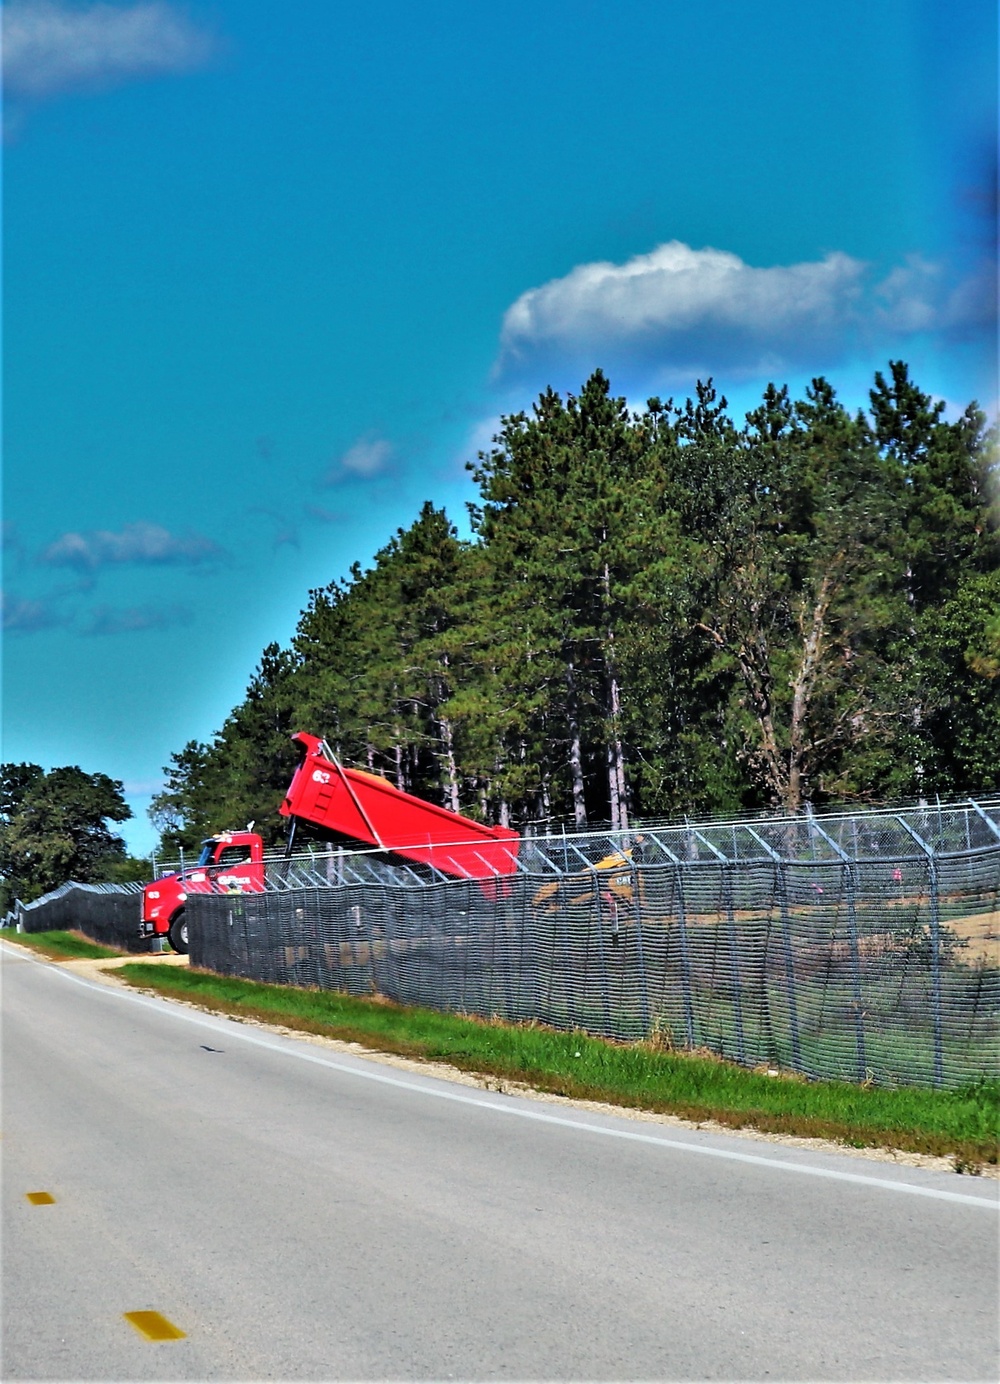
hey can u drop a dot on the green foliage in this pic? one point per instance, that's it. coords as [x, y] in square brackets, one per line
[130, 870]
[54, 827]
[660, 612]
[959, 667]
[64, 946]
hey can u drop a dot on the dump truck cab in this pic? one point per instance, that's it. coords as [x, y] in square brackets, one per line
[230, 863]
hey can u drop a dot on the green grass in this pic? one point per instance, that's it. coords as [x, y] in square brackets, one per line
[960, 1124]
[63, 946]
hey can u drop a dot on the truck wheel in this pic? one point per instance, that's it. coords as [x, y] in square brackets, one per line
[178, 934]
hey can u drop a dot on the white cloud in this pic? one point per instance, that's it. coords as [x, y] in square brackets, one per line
[51, 47]
[701, 310]
[366, 458]
[141, 543]
[24, 615]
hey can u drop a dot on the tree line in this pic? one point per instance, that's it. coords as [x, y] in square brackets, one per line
[658, 611]
[54, 828]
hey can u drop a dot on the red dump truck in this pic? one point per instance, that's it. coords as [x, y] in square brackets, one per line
[341, 803]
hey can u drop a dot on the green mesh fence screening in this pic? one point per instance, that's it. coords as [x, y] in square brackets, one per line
[863, 948]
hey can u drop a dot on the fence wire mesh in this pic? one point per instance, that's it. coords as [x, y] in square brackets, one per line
[107, 913]
[862, 948]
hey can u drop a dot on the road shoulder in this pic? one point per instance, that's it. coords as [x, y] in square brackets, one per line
[103, 971]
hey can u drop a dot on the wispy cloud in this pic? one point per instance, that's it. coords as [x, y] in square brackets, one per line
[286, 531]
[142, 788]
[13, 548]
[50, 47]
[325, 516]
[364, 459]
[140, 544]
[25, 615]
[132, 619]
[699, 311]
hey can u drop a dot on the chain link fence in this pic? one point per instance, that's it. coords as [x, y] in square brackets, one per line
[859, 946]
[863, 947]
[106, 913]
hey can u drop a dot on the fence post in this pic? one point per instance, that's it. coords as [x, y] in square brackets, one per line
[859, 1013]
[849, 869]
[935, 930]
[640, 959]
[786, 937]
[605, 996]
[735, 979]
[502, 923]
[734, 963]
[786, 933]
[936, 970]
[682, 937]
[567, 984]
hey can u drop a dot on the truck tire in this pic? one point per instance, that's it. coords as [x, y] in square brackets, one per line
[178, 934]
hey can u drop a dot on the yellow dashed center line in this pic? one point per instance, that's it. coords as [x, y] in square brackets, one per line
[154, 1326]
[40, 1198]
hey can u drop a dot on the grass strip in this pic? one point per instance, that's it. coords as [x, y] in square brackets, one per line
[961, 1124]
[63, 946]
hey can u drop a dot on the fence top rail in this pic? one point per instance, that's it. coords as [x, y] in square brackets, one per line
[876, 835]
[70, 885]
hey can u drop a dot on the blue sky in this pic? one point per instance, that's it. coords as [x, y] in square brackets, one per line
[273, 271]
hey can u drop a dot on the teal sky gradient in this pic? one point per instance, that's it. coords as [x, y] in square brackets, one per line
[258, 301]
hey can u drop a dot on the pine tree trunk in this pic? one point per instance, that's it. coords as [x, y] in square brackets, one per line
[803, 685]
[615, 751]
[451, 788]
[575, 749]
[616, 764]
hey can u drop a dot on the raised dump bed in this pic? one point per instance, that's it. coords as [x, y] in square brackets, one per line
[371, 810]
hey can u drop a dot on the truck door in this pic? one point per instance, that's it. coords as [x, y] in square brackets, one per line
[235, 871]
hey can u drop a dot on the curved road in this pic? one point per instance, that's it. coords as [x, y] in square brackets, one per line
[305, 1214]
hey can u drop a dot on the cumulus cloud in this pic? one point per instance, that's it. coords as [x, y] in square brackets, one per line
[24, 615]
[702, 310]
[365, 458]
[50, 47]
[140, 544]
[131, 619]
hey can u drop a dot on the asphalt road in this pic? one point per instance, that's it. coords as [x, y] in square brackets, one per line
[303, 1214]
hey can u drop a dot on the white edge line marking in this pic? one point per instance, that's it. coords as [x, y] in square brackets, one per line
[287, 1047]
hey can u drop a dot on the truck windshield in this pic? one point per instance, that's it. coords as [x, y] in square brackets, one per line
[207, 852]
